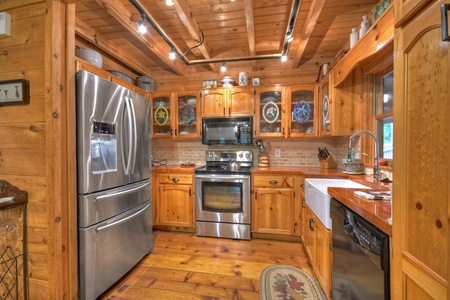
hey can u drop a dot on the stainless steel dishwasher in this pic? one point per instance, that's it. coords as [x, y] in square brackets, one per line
[360, 256]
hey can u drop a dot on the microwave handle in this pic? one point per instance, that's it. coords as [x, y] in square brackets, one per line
[237, 132]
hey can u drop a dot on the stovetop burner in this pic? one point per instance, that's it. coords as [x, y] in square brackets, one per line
[217, 162]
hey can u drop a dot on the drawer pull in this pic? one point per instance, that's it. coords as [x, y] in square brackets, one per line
[175, 179]
[273, 181]
[444, 22]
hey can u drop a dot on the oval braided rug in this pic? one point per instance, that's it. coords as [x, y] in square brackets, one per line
[287, 282]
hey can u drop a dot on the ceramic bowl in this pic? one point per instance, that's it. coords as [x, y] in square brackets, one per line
[121, 76]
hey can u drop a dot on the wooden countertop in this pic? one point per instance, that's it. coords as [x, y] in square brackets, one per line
[174, 168]
[376, 212]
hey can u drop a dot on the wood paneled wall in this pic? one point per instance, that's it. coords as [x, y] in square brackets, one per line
[33, 151]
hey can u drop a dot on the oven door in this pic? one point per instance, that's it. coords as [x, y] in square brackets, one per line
[223, 198]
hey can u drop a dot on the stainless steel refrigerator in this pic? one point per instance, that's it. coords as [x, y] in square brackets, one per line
[114, 182]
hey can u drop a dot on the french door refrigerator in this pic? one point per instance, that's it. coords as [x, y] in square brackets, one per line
[114, 184]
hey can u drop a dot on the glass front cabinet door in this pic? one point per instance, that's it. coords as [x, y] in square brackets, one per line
[301, 111]
[188, 121]
[325, 109]
[269, 113]
[161, 115]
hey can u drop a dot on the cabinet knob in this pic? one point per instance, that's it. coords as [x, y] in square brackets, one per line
[302, 185]
[175, 179]
[273, 181]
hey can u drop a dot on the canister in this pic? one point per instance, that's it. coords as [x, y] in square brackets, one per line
[243, 79]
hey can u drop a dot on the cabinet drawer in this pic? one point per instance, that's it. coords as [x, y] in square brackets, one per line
[174, 178]
[273, 181]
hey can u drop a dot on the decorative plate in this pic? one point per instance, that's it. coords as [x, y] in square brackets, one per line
[325, 106]
[270, 112]
[302, 111]
[161, 115]
[187, 114]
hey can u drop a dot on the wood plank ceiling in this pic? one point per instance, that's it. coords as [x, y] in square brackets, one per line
[212, 31]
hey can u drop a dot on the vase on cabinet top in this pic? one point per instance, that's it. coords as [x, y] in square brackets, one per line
[364, 26]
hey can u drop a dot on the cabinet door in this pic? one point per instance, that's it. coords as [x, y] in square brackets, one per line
[161, 115]
[214, 103]
[187, 124]
[405, 9]
[301, 111]
[421, 206]
[310, 237]
[175, 205]
[322, 262]
[325, 109]
[241, 101]
[270, 118]
[273, 211]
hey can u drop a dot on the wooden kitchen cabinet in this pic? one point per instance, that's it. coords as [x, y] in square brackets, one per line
[270, 112]
[175, 115]
[301, 111]
[420, 228]
[318, 248]
[226, 102]
[274, 210]
[174, 203]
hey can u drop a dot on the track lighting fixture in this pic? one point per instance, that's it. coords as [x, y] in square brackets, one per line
[289, 38]
[223, 68]
[172, 54]
[169, 2]
[141, 28]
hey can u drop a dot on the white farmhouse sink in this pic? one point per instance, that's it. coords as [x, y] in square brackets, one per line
[317, 198]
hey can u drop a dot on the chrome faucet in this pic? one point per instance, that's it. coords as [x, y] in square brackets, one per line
[376, 166]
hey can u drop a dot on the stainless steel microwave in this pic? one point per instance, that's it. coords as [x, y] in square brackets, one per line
[227, 131]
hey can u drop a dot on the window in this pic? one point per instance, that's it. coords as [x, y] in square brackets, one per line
[383, 112]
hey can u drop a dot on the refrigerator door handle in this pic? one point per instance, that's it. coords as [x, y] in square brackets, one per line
[130, 135]
[109, 195]
[134, 134]
[121, 220]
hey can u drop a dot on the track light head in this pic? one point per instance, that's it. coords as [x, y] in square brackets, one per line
[169, 2]
[223, 68]
[172, 54]
[141, 28]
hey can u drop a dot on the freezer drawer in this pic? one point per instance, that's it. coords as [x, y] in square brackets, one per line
[111, 248]
[94, 208]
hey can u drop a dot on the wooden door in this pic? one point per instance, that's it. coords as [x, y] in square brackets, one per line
[214, 103]
[241, 101]
[301, 111]
[161, 115]
[175, 205]
[188, 120]
[323, 265]
[270, 111]
[273, 211]
[310, 238]
[421, 206]
[405, 9]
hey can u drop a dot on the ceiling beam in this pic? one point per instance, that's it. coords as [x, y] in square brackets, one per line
[310, 23]
[124, 17]
[184, 12]
[86, 32]
[250, 23]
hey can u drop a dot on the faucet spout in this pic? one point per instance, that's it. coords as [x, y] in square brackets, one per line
[376, 165]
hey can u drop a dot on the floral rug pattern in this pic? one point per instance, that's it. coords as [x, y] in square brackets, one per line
[282, 282]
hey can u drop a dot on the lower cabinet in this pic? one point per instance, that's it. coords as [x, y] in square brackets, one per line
[274, 205]
[317, 242]
[174, 200]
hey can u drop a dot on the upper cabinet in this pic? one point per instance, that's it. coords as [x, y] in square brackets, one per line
[225, 102]
[270, 102]
[175, 115]
[405, 9]
[301, 111]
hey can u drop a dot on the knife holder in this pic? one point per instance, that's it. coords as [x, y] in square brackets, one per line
[328, 163]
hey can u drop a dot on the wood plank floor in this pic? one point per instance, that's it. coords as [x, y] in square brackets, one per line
[183, 266]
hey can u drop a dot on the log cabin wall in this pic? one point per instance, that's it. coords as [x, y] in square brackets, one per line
[33, 151]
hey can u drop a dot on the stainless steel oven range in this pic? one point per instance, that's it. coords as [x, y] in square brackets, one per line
[222, 197]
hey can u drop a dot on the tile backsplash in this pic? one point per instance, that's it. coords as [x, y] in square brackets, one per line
[294, 151]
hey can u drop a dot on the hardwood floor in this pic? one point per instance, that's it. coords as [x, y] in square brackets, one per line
[183, 266]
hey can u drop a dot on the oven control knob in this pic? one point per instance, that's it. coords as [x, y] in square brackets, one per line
[240, 155]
